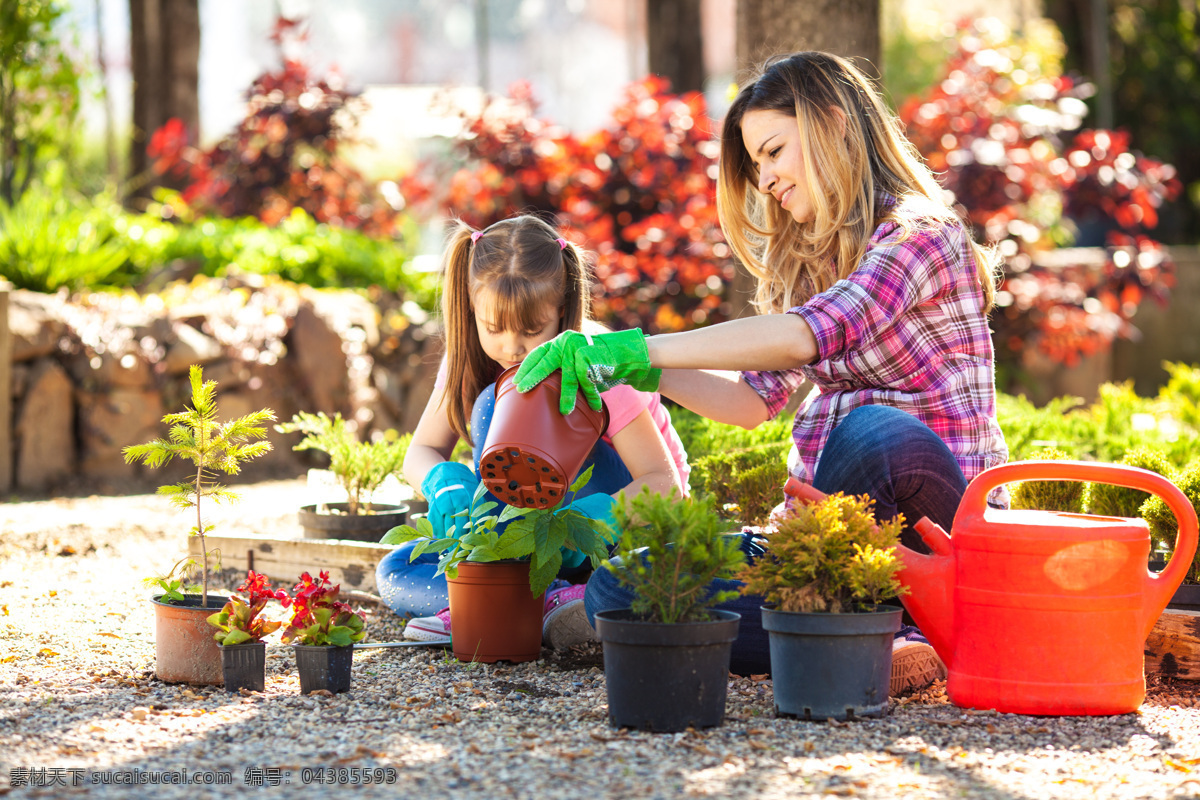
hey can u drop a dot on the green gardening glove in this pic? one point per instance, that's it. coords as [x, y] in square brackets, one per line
[590, 364]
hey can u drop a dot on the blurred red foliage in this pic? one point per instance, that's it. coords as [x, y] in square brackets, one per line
[993, 131]
[639, 193]
[283, 155]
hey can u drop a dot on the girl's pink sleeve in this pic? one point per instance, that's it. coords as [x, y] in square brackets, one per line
[624, 404]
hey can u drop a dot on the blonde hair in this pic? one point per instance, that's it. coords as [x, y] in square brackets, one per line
[522, 264]
[853, 148]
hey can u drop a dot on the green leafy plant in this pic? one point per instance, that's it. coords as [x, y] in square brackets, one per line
[196, 435]
[360, 467]
[745, 482]
[829, 556]
[48, 240]
[538, 534]
[1065, 496]
[319, 617]
[1163, 525]
[669, 553]
[240, 621]
[172, 587]
[1123, 501]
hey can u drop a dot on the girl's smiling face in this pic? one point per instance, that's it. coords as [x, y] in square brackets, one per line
[509, 347]
[772, 138]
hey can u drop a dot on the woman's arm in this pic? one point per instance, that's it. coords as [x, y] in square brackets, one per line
[640, 445]
[432, 443]
[768, 342]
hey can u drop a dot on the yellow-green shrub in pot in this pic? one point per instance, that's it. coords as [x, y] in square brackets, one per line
[826, 569]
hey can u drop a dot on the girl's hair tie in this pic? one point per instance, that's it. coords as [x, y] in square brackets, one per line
[562, 243]
[475, 236]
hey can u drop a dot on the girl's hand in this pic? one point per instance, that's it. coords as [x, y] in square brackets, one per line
[448, 487]
[591, 364]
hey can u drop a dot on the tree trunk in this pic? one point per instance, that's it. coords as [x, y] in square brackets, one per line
[676, 43]
[165, 57]
[775, 27]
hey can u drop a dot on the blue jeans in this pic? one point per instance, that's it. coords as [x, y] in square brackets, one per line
[413, 589]
[879, 451]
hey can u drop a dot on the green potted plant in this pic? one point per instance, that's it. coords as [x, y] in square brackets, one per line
[666, 657]
[322, 630]
[826, 570]
[498, 567]
[359, 468]
[241, 629]
[184, 649]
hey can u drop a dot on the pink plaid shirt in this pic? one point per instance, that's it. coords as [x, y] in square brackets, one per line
[905, 329]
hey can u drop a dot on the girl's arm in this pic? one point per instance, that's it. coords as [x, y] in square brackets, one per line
[720, 396]
[432, 443]
[640, 445]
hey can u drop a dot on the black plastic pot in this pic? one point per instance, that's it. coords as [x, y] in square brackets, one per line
[666, 677]
[354, 527]
[324, 667]
[1186, 598]
[244, 666]
[831, 666]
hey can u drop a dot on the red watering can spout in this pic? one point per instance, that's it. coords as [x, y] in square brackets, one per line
[929, 578]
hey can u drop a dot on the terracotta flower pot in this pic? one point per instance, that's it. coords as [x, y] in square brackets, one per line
[532, 452]
[184, 648]
[493, 615]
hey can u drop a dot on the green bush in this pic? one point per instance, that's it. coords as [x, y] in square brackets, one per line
[1163, 525]
[750, 480]
[1123, 501]
[668, 554]
[828, 556]
[1066, 496]
[49, 240]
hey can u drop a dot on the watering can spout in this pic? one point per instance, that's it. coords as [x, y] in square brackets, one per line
[930, 583]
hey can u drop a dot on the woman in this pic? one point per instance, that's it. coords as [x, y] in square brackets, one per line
[868, 285]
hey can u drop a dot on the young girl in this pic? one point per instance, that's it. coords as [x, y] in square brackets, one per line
[871, 289]
[506, 290]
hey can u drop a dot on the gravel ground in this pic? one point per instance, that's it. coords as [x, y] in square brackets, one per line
[80, 707]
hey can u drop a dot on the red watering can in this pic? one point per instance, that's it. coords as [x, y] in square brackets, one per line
[1040, 612]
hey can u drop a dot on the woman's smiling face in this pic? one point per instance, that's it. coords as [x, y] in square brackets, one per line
[772, 139]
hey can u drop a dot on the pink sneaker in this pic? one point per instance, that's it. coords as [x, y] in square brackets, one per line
[564, 622]
[429, 629]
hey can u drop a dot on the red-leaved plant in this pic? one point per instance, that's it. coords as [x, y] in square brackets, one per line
[995, 130]
[239, 621]
[318, 617]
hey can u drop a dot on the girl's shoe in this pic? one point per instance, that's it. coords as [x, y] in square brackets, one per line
[564, 621]
[915, 664]
[429, 629]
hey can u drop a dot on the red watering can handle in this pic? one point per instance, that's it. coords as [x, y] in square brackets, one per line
[1162, 585]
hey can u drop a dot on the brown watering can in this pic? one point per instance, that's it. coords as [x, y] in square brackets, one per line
[1041, 612]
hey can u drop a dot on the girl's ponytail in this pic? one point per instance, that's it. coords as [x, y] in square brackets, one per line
[462, 341]
[577, 289]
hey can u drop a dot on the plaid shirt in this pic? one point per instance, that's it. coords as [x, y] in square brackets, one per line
[905, 329]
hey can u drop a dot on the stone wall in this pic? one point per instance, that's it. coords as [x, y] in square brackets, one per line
[89, 375]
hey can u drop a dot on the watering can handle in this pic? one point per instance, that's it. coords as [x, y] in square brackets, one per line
[1161, 586]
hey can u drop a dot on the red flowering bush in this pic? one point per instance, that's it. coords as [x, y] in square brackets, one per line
[993, 129]
[282, 156]
[318, 617]
[640, 193]
[238, 621]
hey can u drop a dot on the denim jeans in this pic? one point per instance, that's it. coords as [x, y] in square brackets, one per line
[879, 451]
[412, 588]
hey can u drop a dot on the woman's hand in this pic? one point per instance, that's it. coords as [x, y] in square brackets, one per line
[591, 364]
